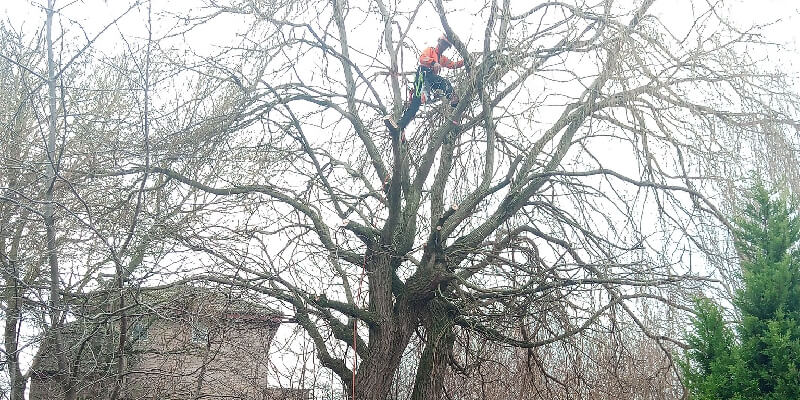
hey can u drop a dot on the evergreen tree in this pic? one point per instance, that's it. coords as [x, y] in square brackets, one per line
[709, 371]
[767, 237]
[765, 362]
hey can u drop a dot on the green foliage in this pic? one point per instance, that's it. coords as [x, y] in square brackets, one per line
[709, 369]
[765, 361]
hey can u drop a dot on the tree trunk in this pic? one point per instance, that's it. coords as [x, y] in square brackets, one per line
[387, 342]
[13, 314]
[399, 318]
[10, 238]
[49, 214]
[376, 372]
[432, 367]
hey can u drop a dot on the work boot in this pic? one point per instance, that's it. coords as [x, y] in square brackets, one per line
[454, 100]
[394, 130]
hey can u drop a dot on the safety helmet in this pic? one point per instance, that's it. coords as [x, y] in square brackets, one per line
[443, 40]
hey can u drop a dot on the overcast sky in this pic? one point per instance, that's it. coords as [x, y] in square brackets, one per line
[28, 15]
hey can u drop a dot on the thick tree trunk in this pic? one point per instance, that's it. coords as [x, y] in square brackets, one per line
[398, 319]
[432, 367]
[375, 374]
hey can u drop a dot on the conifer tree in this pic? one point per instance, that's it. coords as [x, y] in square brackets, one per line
[765, 361]
[708, 372]
[767, 237]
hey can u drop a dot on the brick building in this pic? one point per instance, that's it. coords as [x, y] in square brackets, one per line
[183, 343]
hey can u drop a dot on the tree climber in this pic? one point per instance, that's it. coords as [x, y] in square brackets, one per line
[427, 79]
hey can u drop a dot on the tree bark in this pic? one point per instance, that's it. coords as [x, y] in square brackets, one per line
[12, 294]
[432, 367]
[400, 314]
[375, 374]
[387, 341]
[13, 313]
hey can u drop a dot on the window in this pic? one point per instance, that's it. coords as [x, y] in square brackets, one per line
[138, 332]
[199, 333]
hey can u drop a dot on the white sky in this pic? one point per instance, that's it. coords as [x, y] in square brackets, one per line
[28, 15]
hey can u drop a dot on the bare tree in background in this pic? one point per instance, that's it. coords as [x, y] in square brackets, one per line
[68, 235]
[612, 361]
[15, 218]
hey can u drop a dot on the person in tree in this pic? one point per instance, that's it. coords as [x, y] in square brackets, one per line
[431, 62]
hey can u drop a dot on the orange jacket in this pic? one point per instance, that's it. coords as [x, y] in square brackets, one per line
[431, 56]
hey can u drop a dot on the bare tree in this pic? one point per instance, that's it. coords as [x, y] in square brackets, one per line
[613, 361]
[70, 111]
[571, 187]
[19, 272]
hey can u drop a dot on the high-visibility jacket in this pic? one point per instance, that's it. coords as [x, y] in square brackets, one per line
[431, 56]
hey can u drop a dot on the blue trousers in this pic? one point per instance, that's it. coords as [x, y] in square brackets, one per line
[425, 77]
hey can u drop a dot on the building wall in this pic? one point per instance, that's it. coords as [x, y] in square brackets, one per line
[180, 358]
[231, 362]
[287, 394]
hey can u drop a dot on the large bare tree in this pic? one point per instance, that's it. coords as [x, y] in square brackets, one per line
[572, 186]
